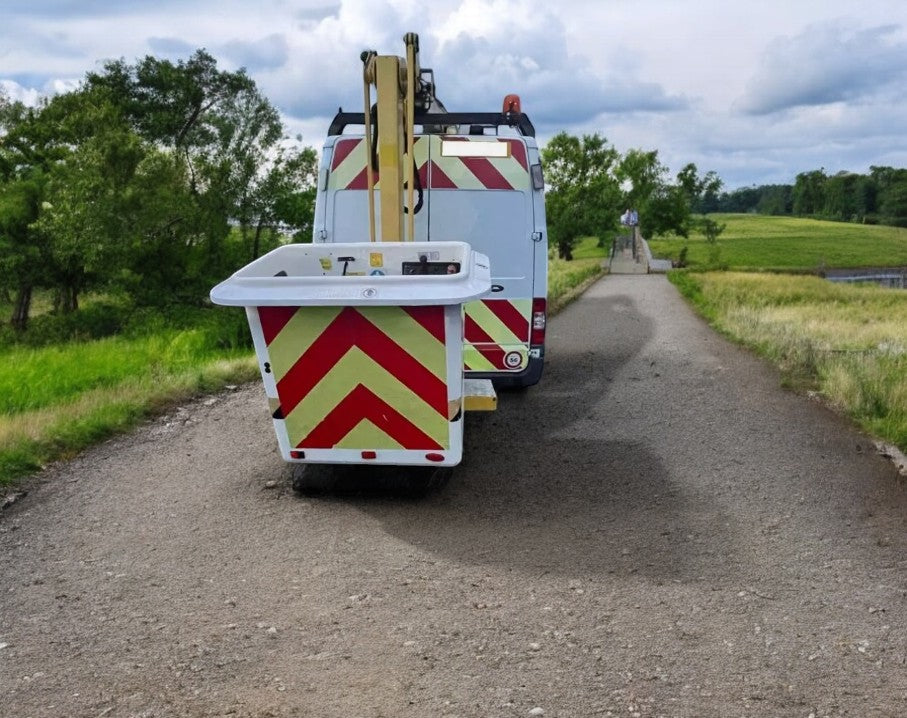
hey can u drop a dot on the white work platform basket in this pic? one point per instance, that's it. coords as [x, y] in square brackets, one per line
[361, 347]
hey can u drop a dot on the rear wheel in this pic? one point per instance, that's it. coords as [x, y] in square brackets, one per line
[313, 479]
[419, 481]
[409, 481]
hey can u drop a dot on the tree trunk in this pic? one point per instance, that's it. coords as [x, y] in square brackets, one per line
[69, 297]
[21, 307]
[66, 299]
[256, 244]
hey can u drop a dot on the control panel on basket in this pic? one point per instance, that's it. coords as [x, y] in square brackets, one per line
[423, 266]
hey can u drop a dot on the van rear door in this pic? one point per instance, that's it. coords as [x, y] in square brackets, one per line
[346, 200]
[481, 194]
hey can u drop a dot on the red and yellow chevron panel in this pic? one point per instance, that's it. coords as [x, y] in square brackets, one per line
[497, 334]
[348, 165]
[458, 172]
[436, 169]
[360, 377]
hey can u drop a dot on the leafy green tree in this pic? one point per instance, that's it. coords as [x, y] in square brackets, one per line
[743, 199]
[891, 188]
[21, 251]
[89, 193]
[809, 192]
[775, 199]
[664, 206]
[712, 230]
[667, 211]
[27, 151]
[846, 197]
[280, 199]
[641, 175]
[701, 191]
[583, 194]
[156, 178]
[225, 133]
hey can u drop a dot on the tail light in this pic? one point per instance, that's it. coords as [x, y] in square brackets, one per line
[539, 320]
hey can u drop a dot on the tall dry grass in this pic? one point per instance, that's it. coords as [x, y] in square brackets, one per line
[848, 342]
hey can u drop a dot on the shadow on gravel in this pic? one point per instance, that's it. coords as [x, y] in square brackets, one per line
[544, 488]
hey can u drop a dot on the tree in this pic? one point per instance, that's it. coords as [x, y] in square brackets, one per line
[27, 151]
[226, 134]
[809, 192]
[775, 199]
[712, 230]
[583, 195]
[664, 207]
[89, 194]
[701, 192]
[281, 198]
[641, 174]
[891, 198]
[667, 211]
[21, 250]
[156, 178]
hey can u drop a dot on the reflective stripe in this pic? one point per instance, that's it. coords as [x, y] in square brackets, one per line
[452, 172]
[497, 335]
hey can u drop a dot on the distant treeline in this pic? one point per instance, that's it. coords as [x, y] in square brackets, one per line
[877, 198]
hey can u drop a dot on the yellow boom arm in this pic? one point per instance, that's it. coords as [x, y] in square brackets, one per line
[394, 79]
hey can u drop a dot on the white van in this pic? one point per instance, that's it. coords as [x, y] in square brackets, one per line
[479, 181]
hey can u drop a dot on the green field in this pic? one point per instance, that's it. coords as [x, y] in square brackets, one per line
[791, 244]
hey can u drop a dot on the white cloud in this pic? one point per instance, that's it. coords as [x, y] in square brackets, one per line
[15, 92]
[827, 63]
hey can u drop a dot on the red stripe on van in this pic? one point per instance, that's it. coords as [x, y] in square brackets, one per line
[342, 150]
[486, 173]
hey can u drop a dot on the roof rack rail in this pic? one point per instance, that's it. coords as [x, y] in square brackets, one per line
[443, 119]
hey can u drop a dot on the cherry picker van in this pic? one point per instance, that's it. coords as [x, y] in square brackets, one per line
[423, 288]
[476, 178]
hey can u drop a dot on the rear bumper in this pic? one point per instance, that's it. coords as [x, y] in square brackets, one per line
[516, 380]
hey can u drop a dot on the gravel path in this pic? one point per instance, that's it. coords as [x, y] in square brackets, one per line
[655, 530]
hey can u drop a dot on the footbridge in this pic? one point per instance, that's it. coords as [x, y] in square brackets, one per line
[630, 254]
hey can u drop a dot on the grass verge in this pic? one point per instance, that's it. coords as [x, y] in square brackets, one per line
[846, 342]
[30, 439]
[566, 280]
[58, 397]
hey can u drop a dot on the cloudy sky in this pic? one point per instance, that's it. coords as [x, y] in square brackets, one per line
[757, 90]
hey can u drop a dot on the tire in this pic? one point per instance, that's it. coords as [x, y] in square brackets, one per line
[354, 479]
[313, 479]
[419, 481]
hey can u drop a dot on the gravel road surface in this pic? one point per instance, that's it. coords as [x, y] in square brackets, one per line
[657, 529]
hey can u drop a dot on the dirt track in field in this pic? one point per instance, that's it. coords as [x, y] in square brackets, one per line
[655, 530]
